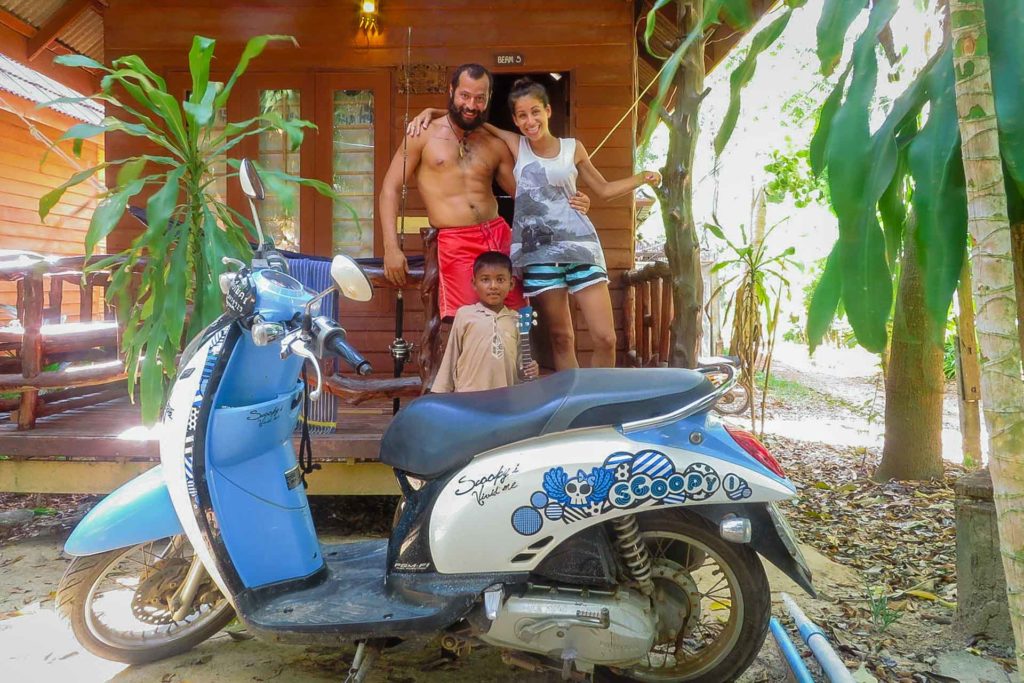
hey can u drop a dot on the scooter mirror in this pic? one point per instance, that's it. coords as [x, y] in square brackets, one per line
[252, 186]
[350, 278]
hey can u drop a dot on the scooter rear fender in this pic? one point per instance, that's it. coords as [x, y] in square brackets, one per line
[137, 512]
[771, 537]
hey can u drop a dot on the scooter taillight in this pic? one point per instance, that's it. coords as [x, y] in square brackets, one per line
[756, 449]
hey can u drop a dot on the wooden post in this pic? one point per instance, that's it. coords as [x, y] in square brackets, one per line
[968, 371]
[85, 304]
[31, 346]
[629, 321]
[645, 330]
[665, 343]
[52, 312]
[430, 346]
[656, 323]
[638, 322]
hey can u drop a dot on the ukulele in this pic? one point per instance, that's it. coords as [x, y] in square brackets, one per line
[527, 319]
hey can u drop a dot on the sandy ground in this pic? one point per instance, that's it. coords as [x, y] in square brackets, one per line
[35, 645]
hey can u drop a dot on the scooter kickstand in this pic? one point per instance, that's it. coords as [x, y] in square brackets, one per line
[366, 657]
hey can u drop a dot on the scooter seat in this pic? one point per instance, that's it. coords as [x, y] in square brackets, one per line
[439, 432]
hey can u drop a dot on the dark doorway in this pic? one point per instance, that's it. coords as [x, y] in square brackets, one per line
[557, 85]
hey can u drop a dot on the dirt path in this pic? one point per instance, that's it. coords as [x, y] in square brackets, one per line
[850, 408]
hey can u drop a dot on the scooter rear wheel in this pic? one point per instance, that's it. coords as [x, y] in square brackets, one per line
[713, 600]
[116, 602]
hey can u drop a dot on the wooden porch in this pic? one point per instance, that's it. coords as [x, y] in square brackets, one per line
[96, 448]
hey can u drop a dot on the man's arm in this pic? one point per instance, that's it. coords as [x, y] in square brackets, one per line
[505, 175]
[395, 266]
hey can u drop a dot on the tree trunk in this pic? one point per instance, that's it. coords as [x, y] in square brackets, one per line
[913, 387]
[676, 195]
[968, 372]
[1017, 241]
[1002, 391]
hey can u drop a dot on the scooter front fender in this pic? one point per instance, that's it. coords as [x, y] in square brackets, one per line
[137, 512]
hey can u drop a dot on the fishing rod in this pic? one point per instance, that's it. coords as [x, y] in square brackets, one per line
[400, 349]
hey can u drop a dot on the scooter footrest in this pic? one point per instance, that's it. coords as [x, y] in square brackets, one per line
[354, 602]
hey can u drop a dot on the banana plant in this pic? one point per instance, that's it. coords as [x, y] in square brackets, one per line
[875, 178]
[165, 285]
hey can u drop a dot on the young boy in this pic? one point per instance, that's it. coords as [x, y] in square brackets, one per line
[483, 347]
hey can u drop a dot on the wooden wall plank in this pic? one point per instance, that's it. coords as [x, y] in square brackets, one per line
[23, 183]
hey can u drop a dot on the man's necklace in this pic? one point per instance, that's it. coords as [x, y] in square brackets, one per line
[461, 139]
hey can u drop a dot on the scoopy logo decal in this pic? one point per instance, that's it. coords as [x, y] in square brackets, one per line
[625, 480]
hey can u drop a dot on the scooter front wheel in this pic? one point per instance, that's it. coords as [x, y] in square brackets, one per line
[118, 602]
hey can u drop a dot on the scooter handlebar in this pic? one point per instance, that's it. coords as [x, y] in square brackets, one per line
[340, 347]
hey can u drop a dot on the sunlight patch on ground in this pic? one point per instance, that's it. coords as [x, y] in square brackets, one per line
[38, 646]
[854, 434]
[855, 362]
[142, 433]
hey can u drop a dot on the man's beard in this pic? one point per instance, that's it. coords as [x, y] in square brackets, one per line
[472, 124]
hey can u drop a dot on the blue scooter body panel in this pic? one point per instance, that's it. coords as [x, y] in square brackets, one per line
[137, 512]
[262, 513]
[715, 443]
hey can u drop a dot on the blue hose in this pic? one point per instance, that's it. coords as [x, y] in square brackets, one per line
[817, 641]
[793, 658]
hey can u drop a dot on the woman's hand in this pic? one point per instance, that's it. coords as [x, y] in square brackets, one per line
[421, 121]
[580, 202]
[652, 178]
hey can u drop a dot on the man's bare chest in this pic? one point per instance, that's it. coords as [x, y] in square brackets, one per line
[474, 158]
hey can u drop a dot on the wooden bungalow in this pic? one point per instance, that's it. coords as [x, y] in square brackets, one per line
[28, 78]
[349, 76]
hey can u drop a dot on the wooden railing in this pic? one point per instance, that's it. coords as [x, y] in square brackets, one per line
[90, 371]
[647, 315]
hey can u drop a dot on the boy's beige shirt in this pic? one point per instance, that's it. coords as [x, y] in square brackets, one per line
[482, 351]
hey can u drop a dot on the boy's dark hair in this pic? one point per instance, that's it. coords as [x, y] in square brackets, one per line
[476, 72]
[524, 87]
[492, 258]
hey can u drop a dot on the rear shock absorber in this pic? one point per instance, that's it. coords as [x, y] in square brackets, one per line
[633, 551]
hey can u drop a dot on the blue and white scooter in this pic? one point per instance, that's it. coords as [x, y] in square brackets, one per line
[594, 521]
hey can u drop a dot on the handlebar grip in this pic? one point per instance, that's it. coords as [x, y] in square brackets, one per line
[341, 348]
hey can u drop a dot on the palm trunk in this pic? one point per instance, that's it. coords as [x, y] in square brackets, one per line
[1002, 391]
[1017, 240]
[968, 372]
[913, 387]
[681, 245]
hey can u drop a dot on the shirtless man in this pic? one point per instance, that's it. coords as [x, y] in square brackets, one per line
[455, 161]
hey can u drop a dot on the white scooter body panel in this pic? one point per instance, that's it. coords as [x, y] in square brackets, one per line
[176, 444]
[506, 500]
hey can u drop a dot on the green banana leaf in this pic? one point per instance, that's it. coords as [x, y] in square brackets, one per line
[856, 182]
[940, 194]
[1005, 24]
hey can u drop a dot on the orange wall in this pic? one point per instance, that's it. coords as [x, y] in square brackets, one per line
[23, 182]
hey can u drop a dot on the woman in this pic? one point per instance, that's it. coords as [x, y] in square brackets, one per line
[556, 247]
